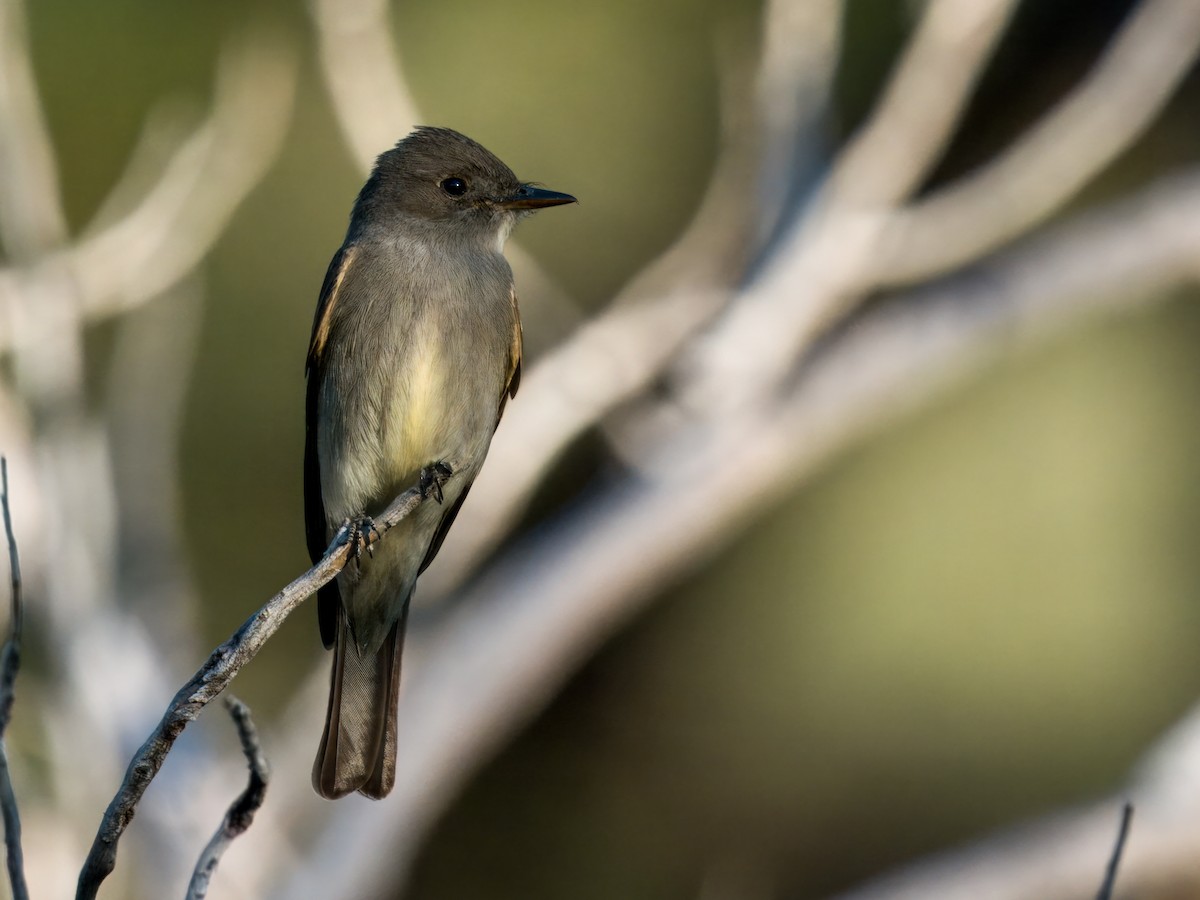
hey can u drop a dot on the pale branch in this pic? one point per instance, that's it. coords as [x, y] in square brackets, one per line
[175, 222]
[1110, 876]
[10, 663]
[922, 104]
[1056, 855]
[619, 354]
[241, 813]
[559, 591]
[614, 358]
[355, 48]
[818, 274]
[1054, 159]
[32, 220]
[799, 59]
[211, 679]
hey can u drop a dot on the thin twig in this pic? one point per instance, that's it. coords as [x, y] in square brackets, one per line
[241, 813]
[10, 662]
[209, 681]
[1110, 876]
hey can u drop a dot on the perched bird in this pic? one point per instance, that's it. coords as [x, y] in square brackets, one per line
[416, 347]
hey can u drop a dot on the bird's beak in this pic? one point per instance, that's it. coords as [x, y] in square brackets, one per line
[530, 197]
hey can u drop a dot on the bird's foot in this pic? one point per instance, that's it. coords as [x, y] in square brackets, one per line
[432, 479]
[360, 537]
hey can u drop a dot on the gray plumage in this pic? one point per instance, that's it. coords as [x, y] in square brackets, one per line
[416, 346]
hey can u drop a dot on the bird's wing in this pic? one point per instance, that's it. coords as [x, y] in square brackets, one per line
[512, 381]
[315, 525]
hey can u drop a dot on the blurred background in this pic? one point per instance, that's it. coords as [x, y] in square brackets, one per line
[985, 612]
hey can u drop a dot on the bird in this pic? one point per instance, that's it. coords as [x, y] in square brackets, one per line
[415, 350]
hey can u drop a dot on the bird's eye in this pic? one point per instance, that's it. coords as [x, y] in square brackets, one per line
[455, 187]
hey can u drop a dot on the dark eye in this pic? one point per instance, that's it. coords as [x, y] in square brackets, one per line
[455, 187]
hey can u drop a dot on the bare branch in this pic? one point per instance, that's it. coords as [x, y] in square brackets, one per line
[921, 105]
[1110, 876]
[174, 225]
[241, 813]
[1056, 856]
[208, 683]
[162, 239]
[10, 663]
[819, 275]
[31, 214]
[356, 49]
[1052, 161]
[800, 42]
[618, 354]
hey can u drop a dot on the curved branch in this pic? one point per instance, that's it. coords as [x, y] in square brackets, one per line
[241, 813]
[1054, 159]
[821, 272]
[178, 219]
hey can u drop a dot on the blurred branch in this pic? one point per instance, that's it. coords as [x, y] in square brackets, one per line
[800, 43]
[355, 46]
[175, 223]
[817, 274]
[921, 105]
[1055, 158]
[619, 354]
[10, 663]
[241, 813]
[211, 679]
[145, 431]
[1056, 857]
[560, 590]
[31, 214]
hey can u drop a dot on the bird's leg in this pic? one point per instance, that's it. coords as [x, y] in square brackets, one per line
[360, 537]
[432, 478]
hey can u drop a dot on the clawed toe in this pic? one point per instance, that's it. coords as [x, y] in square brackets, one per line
[360, 538]
[432, 479]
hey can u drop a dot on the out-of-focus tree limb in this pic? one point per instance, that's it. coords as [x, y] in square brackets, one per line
[31, 214]
[170, 228]
[1056, 157]
[1058, 856]
[816, 274]
[355, 46]
[619, 354]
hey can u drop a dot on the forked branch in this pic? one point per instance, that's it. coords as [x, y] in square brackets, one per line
[210, 680]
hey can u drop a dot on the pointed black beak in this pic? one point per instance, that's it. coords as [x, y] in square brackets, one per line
[530, 197]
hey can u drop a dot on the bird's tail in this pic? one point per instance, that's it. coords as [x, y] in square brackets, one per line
[358, 748]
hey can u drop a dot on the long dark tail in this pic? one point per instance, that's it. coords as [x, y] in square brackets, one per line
[358, 748]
